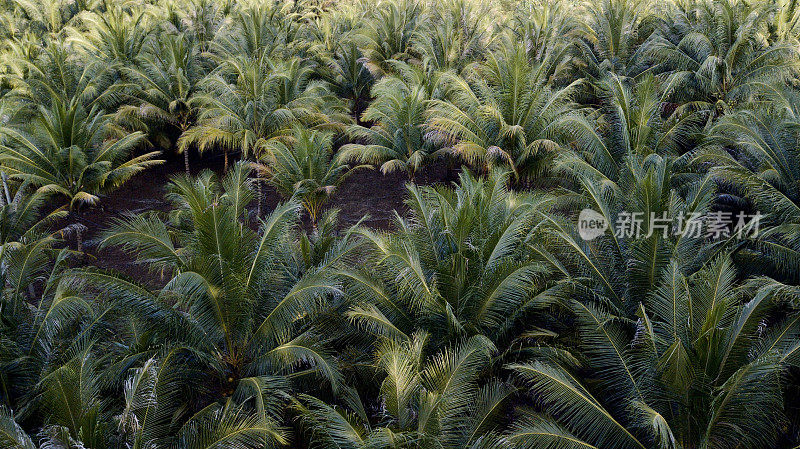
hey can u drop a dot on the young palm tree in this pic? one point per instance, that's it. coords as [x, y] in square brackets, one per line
[388, 33]
[263, 102]
[48, 16]
[246, 303]
[166, 81]
[56, 75]
[433, 402]
[484, 317]
[397, 140]
[456, 268]
[629, 123]
[116, 35]
[67, 152]
[27, 240]
[40, 325]
[613, 34]
[258, 31]
[754, 155]
[669, 346]
[505, 115]
[302, 169]
[348, 77]
[544, 27]
[199, 21]
[454, 35]
[681, 372]
[716, 53]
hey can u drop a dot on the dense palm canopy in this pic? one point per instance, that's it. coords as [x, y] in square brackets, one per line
[244, 313]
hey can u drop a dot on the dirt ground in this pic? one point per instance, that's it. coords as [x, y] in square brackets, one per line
[364, 193]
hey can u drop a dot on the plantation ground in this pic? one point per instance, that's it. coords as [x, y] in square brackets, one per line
[365, 193]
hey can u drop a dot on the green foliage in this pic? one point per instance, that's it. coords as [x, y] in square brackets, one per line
[480, 318]
[66, 152]
[303, 169]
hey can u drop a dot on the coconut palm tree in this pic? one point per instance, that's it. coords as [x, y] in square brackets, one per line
[67, 153]
[27, 240]
[453, 35]
[680, 372]
[630, 122]
[430, 402]
[48, 16]
[613, 34]
[456, 268]
[388, 33]
[344, 70]
[44, 365]
[752, 154]
[717, 54]
[396, 141]
[506, 114]
[596, 283]
[115, 35]
[56, 75]
[197, 20]
[664, 329]
[264, 100]
[258, 31]
[166, 81]
[302, 169]
[544, 28]
[247, 303]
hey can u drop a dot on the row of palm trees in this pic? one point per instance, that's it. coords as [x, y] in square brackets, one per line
[483, 318]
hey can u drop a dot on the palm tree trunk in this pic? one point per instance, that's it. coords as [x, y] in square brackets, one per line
[225, 168]
[6, 195]
[79, 227]
[186, 161]
[260, 188]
